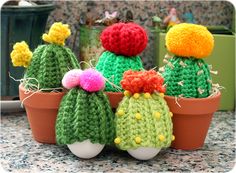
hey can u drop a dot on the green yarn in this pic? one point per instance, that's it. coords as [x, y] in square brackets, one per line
[191, 79]
[83, 115]
[48, 65]
[113, 66]
[148, 128]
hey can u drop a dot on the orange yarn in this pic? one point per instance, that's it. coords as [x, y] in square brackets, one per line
[142, 81]
[189, 40]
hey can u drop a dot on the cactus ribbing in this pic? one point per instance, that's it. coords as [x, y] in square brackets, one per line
[113, 66]
[148, 119]
[187, 77]
[84, 115]
[48, 65]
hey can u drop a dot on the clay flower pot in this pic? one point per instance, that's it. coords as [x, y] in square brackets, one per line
[41, 109]
[192, 120]
[114, 98]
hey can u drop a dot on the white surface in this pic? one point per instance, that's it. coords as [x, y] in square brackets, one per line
[23, 3]
[85, 149]
[144, 153]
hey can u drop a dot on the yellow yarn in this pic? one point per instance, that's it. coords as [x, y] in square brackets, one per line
[189, 40]
[57, 33]
[21, 54]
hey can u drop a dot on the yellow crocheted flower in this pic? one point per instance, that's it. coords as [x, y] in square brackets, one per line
[57, 34]
[189, 40]
[21, 54]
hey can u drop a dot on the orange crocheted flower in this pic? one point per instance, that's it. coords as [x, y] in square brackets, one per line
[190, 40]
[142, 81]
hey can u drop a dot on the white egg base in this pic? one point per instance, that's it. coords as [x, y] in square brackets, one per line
[144, 153]
[85, 149]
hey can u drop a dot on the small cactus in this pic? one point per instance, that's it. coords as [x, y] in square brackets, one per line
[186, 74]
[123, 42]
[49, 62]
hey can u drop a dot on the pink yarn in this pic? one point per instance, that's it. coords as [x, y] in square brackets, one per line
[71, 78]
[91, 80]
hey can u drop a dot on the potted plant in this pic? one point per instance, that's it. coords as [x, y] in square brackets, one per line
[123, 42]
[190, 94]
[85, 119]
[31, 18]
[143, 120]
[41, 90]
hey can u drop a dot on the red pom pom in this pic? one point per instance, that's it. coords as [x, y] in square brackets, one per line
[128, 39]
[142, 81]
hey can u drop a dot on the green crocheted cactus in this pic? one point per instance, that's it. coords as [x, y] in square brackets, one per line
[143, 122]
[187, 77]
[85, 115]
[48, 65]
[113, 66]
[186, 74]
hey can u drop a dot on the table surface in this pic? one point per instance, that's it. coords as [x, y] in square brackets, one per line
[20, 153]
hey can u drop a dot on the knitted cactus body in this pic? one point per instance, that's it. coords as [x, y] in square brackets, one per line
[187, 77]
[113, 66]
[143, 122]
[48, 65]
[84, 115]
[123, 42]
[186, 74]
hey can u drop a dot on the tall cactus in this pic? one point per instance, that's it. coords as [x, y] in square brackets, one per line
[49, 62]
[123, 42]
[186, 74]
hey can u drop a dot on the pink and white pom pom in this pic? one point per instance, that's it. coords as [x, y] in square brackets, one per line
[71, 78]
[91, 80]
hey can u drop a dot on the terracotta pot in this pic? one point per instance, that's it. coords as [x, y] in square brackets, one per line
[114, 98]
[192, 120]
[41, 109]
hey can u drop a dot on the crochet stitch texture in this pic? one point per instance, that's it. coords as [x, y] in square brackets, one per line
[48, 65]
[84, 115]
[191, 79]
[128, 39]
[143, 119]
[113, 66]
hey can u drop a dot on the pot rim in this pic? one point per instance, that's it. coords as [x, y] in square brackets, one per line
[114, 93]
[193, 106]
[21, 87]
[195, 99]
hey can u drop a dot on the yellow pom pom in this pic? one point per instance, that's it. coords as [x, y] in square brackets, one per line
[189, 40]
[136, 95]
[157, 115]
[117, 140]
[21, 54]
[173, 138]
[161, 94]
[171, 114]
[147, 95]
[57, 33]
[138, 140]
[161, 137]
[127, 93]
[138, 116]
[120, 112]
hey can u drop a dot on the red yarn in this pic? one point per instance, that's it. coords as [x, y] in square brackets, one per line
[142, 81]
[128, 39]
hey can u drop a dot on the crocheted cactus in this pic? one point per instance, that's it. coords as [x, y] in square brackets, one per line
[143, 119]
[123, 42]
[187, 74]
[49, 62]
[113, 66]
[85, 112]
